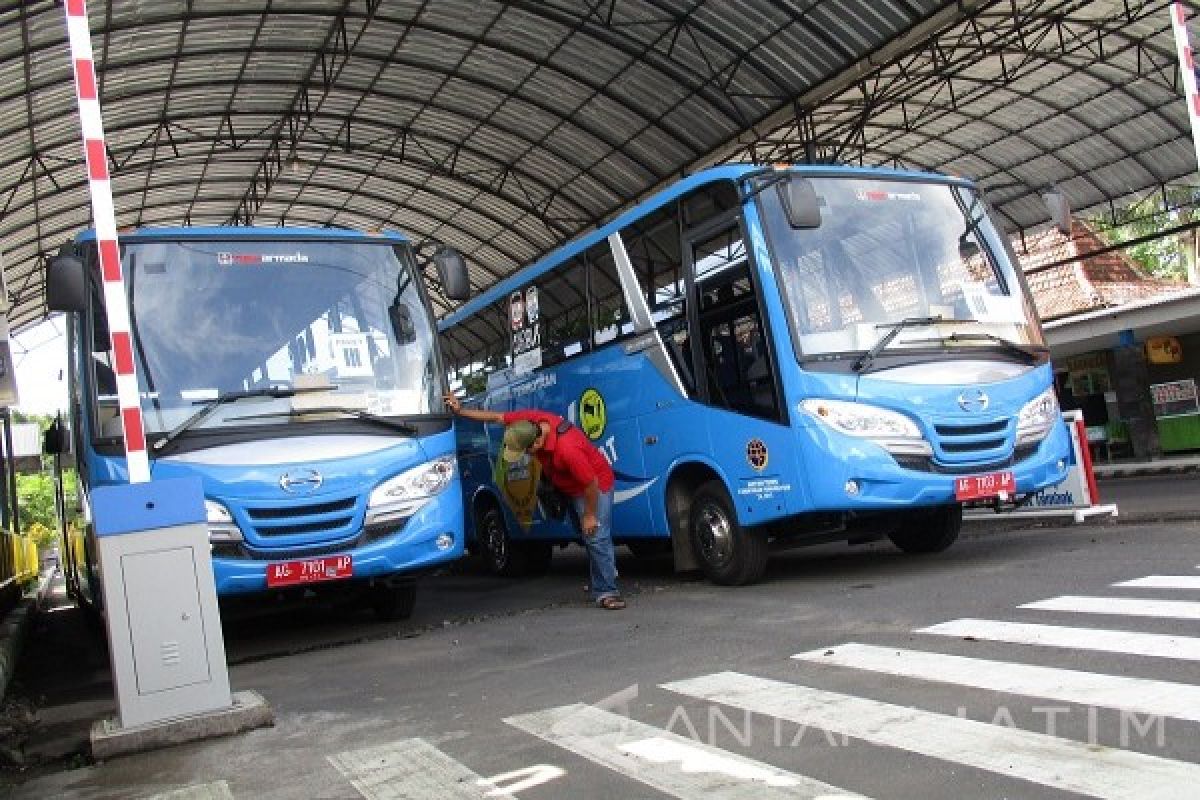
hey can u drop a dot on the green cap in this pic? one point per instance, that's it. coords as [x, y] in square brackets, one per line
[517, 438]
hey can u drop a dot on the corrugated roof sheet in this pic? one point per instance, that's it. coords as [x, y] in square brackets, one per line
[504, 128]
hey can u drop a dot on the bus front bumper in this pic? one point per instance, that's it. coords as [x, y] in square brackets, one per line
[414, 548]
[861, 477]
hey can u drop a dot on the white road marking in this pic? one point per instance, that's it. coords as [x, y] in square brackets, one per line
[1160, 645]
[204, 791]
[1163, 582]
[673, 764]
[1119, 606]
[1159, 698]
[410, 769]
[1035, 757]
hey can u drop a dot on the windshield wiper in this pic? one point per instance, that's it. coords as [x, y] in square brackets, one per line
[1026, 352]
[394, 424]
[212, 404]
[910, 322]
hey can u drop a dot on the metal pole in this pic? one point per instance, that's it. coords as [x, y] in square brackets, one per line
[5, 508]
[10, 467]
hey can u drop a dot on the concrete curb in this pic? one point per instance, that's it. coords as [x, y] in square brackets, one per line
[14, 627]
[1138, 470]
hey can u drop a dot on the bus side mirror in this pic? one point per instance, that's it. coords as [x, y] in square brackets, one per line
[800, 203]
[65, 287]
[452, 273]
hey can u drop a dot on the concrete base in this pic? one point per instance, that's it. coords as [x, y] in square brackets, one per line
[249, 711]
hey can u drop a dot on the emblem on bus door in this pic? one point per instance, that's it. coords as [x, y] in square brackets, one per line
[756, 454]
[304, 481]
[973, 400]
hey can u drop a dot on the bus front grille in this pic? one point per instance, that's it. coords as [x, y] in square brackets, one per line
[972, 442]
[316, 519]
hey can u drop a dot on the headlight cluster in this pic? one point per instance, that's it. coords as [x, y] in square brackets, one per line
[402, 495]
[1037, 417]
[221, 527]
[891, 430]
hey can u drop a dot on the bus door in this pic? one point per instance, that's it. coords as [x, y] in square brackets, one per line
[736, 370]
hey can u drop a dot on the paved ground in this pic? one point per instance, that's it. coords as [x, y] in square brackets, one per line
[494, 678]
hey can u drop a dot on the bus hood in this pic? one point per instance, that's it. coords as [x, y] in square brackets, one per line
[309, 467]
[955, 388]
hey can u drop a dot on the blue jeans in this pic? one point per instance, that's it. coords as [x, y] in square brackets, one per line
[602, 561]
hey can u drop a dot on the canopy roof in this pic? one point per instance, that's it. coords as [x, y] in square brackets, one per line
[505, 129]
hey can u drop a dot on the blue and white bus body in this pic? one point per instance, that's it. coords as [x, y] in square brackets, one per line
[846, 451]
[295, 473]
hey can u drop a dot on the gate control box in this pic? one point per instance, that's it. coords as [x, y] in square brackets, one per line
[160, 601]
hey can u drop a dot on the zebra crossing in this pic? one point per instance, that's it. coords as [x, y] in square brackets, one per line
[666, 761]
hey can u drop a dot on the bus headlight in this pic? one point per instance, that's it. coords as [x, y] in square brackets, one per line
[221, 527]
[893, 431]
[402, 495]
[1037, 417]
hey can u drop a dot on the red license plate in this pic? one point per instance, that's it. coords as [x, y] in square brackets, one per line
[972, 487]
[309, 570]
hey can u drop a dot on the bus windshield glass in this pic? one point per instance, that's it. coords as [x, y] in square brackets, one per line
[279, 330]
[892, 250]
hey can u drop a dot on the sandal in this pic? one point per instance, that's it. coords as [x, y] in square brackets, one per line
[611, 603]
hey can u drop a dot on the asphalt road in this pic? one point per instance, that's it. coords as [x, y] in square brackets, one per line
[694, 691]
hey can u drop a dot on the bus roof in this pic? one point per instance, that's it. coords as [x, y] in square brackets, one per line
[724, 172]
[247, 232]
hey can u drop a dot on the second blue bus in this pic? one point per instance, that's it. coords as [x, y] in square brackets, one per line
[770, 357]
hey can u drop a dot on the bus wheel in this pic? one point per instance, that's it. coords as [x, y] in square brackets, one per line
[393, 602]
[928, 531]
[500, 555]
[728, 554]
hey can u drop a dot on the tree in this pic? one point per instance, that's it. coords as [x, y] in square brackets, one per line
[35, 502]
[1162, 257]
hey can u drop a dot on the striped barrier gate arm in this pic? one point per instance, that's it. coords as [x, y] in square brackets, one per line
[104, 220]
[1187, 70]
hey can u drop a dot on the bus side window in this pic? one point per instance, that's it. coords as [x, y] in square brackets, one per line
[479, 346]
[653, 245]
[564, 312]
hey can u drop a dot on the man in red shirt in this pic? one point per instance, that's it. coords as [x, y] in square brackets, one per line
[577, 469]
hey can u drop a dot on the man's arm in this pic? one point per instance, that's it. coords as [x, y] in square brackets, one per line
[591, 497]
[477, 414]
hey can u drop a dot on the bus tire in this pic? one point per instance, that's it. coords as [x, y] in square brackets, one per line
[393, 602]
[728, 554]
[496, 548]
[929, 531]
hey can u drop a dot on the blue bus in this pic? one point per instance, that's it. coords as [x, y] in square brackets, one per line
[296, 373]
[768, 357]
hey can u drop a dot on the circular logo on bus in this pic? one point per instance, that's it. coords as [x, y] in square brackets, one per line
[592, 414]
[756, 454]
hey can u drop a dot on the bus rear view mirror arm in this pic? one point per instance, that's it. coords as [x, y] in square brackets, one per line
[452, 273]
[65, 290]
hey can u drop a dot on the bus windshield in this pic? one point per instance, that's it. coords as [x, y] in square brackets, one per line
[344, 323]
[890, 250]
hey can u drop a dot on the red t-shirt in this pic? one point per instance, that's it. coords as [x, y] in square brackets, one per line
[570, 461]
